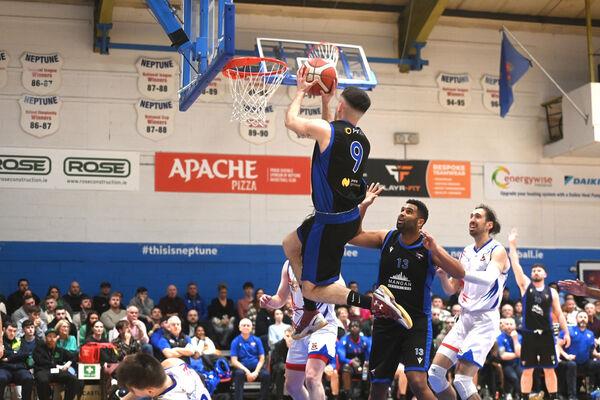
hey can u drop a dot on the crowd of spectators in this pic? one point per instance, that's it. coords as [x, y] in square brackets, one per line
[42, 338]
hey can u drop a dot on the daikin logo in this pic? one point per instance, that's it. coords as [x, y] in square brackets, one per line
[573, 180]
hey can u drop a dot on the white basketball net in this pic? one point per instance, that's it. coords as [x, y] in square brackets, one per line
[251, 88]
[326, 51]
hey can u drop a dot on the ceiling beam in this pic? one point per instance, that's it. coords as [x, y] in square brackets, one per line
[536, 19]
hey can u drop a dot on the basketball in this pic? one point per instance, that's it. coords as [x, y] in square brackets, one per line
[323, 72]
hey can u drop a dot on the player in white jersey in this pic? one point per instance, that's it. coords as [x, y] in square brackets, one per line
[144, 376]
[308, 356]
[473, 335]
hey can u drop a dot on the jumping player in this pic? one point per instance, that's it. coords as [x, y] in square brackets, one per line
[308, 356]
[473, 335]
[316, 248]
[407, 267]
[144, 376]
[538, 349]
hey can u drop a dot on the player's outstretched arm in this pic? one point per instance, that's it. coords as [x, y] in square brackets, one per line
[279, 299]
[318, 129]
[449, 285]
[579, 288]
[328, 113]
[520, 277]
[373, 239]
[441, 258]
[562, 321]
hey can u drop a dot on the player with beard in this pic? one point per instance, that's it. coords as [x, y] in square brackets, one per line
[473, 335]
[539, 301]
[407, 267]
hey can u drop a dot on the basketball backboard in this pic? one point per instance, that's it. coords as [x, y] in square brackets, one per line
[210, 26]
[352, 65]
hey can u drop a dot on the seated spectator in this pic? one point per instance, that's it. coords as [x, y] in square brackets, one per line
[48, 309]
[33, 315]
[173, 343]
[65, 341]
[193, 301]
[593, 321]
[455, 310]
[254, 308]
[190, 323]
[137, 329]
[436, 323]
[507, 311]
[570, 310]
[343, 320]
[59, 315]
[114, 314]
[98, 333]
[222, 313]
[288, 312]
[53, 365]
[490, 377]
[20, 313]
[353, 351]
[448, 324]
[54, 291]
[86, 328]
[248, 359]
[438, 302]
[518, 314]
[243, 304]
[14, 356]
[15, 299]
[277, 329]
[509, 350]
[172, 304]
[579, 357]
[144, 304]
[202, 344]
[79, 317]
[277, 359]
[156, 319]
[125, 342]
[73, 297]
[100, 302]
[505, 297]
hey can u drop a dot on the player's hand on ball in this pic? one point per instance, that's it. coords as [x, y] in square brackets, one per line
[302, 85]
[264, 301]
[326, 97]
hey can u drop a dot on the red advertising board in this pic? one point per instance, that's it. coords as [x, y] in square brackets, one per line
[231, 173]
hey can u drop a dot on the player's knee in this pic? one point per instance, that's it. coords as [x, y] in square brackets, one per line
[418, 385]
[313, 379]
[437, 378]
[464, 386]
[294, 388]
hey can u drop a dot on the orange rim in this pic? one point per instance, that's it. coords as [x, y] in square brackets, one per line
[231, 71]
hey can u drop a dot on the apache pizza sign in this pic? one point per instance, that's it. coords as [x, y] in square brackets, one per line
[227, 173]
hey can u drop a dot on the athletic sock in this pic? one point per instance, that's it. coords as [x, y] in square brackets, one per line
[524, 396]
[358, 300]
[309, 305]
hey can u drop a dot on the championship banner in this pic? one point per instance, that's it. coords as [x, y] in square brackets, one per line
[41, 72]
[421, 178]
[215, 91]
[491, 93]
[24, 168]
[309, 112]
[157, 78]
[230, 173]
[155, 119]
[4, 59]
[40, 115]
[538, 181]
[260, 133]
[454, 91]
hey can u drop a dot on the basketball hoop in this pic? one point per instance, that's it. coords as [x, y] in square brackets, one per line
[253, 80]
[327, 51]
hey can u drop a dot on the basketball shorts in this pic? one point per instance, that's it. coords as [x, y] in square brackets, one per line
[538, 350]
[472, 337]
[319, 345]
[323, 238]
[393, 344]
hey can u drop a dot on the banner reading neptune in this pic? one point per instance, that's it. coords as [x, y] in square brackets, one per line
[538, 181]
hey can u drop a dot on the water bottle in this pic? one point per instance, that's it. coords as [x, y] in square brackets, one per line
[365, 373]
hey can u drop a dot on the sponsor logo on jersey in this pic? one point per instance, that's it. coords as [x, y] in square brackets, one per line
[399, 282]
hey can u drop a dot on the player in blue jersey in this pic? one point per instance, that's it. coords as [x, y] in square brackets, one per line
[316, 248]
